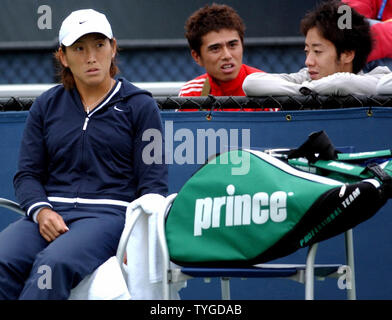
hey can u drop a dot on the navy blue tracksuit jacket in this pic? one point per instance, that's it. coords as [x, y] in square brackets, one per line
[67, 154]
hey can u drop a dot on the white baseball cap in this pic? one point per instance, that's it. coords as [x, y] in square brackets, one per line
[82, 22]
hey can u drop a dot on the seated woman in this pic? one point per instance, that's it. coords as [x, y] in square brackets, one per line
[80, 165]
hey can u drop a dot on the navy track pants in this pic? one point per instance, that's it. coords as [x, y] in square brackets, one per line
[32, 268]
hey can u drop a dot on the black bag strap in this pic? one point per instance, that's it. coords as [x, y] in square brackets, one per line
[317, 143]
[385, 178]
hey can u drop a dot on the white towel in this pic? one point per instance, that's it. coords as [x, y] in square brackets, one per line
[105, 283]
[144, 258]
[143, 272]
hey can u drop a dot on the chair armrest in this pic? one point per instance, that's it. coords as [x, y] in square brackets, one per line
[122, 245]
[5, 203]
[163, 246]
[161, 230]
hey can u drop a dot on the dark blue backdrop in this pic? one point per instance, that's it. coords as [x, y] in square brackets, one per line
[345, 127]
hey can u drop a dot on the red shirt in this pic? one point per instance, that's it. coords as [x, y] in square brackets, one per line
[194, 87]
[381, 32]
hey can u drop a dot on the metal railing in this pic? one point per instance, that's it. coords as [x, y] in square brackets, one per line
[34, 90]
[300, 102]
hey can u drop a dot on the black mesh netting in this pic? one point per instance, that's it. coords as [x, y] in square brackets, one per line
[300, 102]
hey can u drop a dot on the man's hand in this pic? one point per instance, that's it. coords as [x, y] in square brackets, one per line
[51, 224]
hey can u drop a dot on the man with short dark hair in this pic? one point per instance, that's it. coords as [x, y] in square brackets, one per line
[215, 34]
[335, 56]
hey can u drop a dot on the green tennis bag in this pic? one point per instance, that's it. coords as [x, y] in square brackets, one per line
[224, 216]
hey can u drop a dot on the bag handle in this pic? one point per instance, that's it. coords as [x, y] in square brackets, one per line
[317, 143]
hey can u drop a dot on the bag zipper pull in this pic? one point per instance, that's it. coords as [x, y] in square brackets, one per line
[342, 191]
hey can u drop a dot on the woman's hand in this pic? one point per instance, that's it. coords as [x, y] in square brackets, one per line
[51, 224]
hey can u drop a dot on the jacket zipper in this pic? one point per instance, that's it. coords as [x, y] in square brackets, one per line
[85, 123]
[84, 129]
[87, 119]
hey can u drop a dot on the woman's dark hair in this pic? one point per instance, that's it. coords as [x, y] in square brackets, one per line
[326, 17]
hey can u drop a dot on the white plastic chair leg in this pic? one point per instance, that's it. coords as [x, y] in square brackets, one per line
[225, 288]
[351, 292]
[309, 272]
[166, 274]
